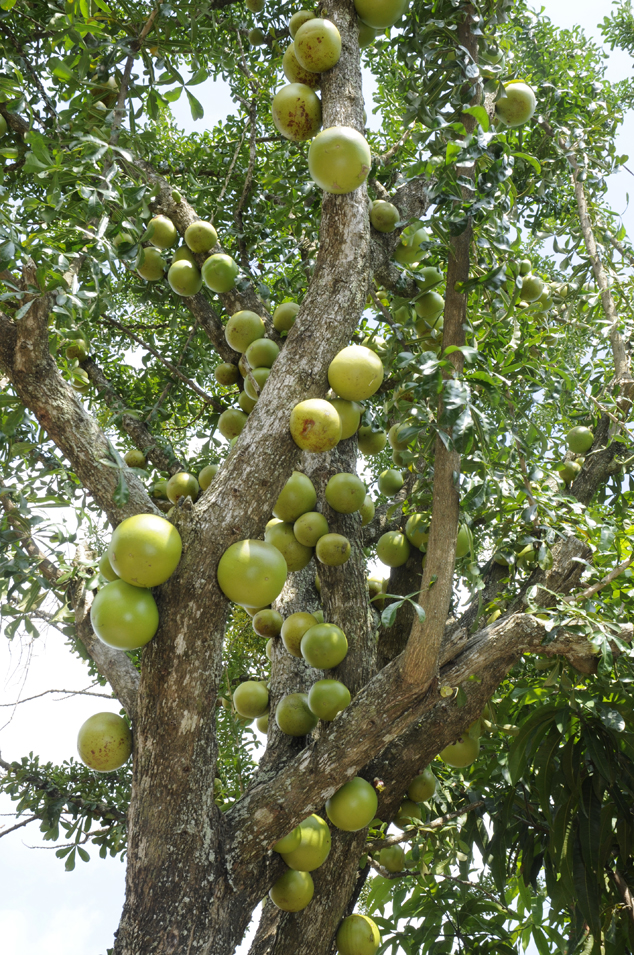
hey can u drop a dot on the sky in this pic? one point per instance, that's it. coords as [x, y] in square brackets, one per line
[42, 907]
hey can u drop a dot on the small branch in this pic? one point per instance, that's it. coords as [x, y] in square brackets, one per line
[595, 588]
[47, 100]
[624, 891]
[19, 825]
[384, 872]
[231, 165]
[69, 693]
[20, 525]
[387, 315]
[384, 158]
[437, 823]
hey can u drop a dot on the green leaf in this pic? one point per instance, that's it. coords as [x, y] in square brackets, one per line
[480, 114]
[121, 495]
[195, 107]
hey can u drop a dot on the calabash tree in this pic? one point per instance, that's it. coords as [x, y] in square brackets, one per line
[512, 582]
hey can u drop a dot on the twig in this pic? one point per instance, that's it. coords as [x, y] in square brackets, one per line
[169, 384]
[624, 891]
[595, 588]
[17, 521]
[384, 872]
[118, 113]
[105, 696]
[384, 158]
[25, 822]
[47, 100]
[387, 315]
[435, 824]
[231, 165]
[253, 117]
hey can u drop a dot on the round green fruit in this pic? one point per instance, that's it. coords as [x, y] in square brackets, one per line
[134, 458]
[243, 328]
[324, 646]
[162, 232]
[462, 753]
[408, 251]
[317, 45]
[297, 20]
[226, 373]
[384, 216]
[353, 806]
[464, 541]
[294, 628]
[355, 373]
[246, 404]
[81, 381]
[159, 490]
[428, 277]
[251, 699]
[393, 549]
[350, 414]
[284, 316]
[396, 442]
[255, 6]
[392, 858]
[256, 37]
[290, 842]
[518, 104]
[367, 35]
[380, 14]
[106, 569]
[358, 935]
[231, 423]
[123, 616]
[314, 846]
[201, 236]
[390, 482]
[295, 73]
[184, 253]
[262, 353]
[296, 112]
[220, 272]
[339, 160]
[407, 811]
[184, 278]
[267, 623]
[293, 891]
[145, 550]
[326, 698]
[150, 265]
[532, 288]
[259, 376]
[294, 717]
[281, 535]
[104, 742]
[569, 471]
[310, 527]
[78, 350]
[207, 475]
[429, 306]
[182, 484]
[370, 441]
[367, 510]
[580, 439]
[262, 723]
[422, 787]
[417, 530]
[345, 493]
[297, 497]
[252, 572]
[333, 550]
[315, 425]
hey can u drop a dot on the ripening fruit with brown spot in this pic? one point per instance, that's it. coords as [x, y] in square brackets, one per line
[296, 112]
[317, 45]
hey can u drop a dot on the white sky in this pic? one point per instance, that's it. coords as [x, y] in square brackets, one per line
[42, 907]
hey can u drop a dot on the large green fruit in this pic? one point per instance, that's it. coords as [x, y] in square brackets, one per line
[462, 753]
[281, 535]
[267, 623]
[317, 45]
[315, 425]
[134, 458]
[294, 628]
[201, 236]
[569, 471]
[104, 742]
[428, 277]
[162, 232]
[398, 443]
[262, 353]
[408, 251]
[252, 572]
[123, 616]
[393, 549]
[293, 891]
[324, 646]
[294, 717]
[184, 278]
[333, 550]
[231, 423]
[226, 373]
[407, 811]
[290, 842]
[371, 441]
[367, 510]
[423, 786]
[251, 699]
[246, 404]
[580, 439]
[297, 20]
[296, 497]
[358, 935]
[353, 806]
[314, 846]
[284, 316]
[220, 272]
[392, 858]
[339, 160]
[182, 484]
[417, 530]
[296, 112]
[390, 482]
[345, 493]
[532, 288]
[380, 14]
[295, 73]
[464, 541]
[326, 698]
[430, 306]
[105, 568]
[350, 414]
[310, 527]
[145, 550]
[518, 105]
[259, 376]
[384, 216]
[367, 35]
[243, 328]
[150, 265]
[355, 373]
[207, 475]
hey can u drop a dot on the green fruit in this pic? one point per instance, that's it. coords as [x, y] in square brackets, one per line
[422, 787]
[294, 628]
[219, 273]
[184, 253]
[262, 723]
[367, 510]
[393, 549]
[269, 647]
[317, 45]
[333, 549]
[284, 316]
[104, 742]
[297, 20]
[390, 482]
[524, 266]
[134, 458]
[429, 306]
[252, 572]
[293, 891]
[247, 404]
[417, 530]
[350, 414]
[184, 278]
[428, 277]
[255, 6]
[297, 497]
[324, 646]
[569, 471]
[407, 811]
[231, 423]
[201, 236]
[207, 475]
[296, 112]
[295, 73]
[293, 716]
[377, 585]
[371, 441]
[267, 623]
[580, 439]
[392, 858]
[259, 375]
[315, 425]
[243, 328]
[384, 216]
[408, 251]
[397, 443]
[518, 104]
[532, 288]
[123, 616]
[345, 493]
[78, 350]
[182, 484]
[380, 14]
[81, 381]
[367, 36]
[145, 550]
[326, 698]
[355, 373]
[290, 842]
[358, 935]
[105, 568]
[150, 265]
[262, 353]
[281, 535]
[251, 699]
[310, 527]
[3, 126]
[226, 373]
[159, 490]
[314, 846]
[462, 753]
[162, 232]
[353, 806]
[318, 615]
[256, 37]
[464, 541]
[339, 160]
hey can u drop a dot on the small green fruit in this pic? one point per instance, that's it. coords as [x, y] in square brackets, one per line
[333, 549]
[207, 474]
[182, 484]
[353, 806]
[201, 236]
[293, 715]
